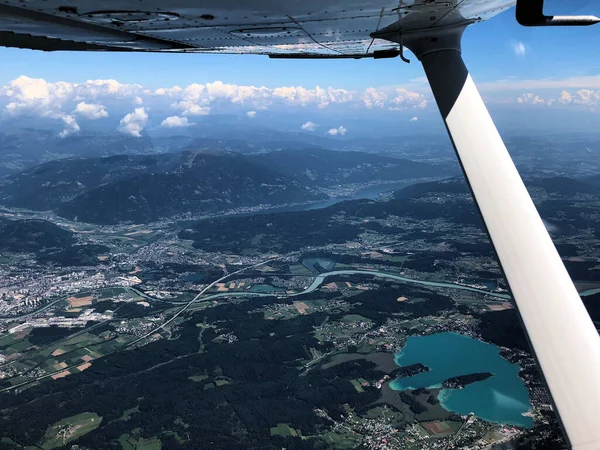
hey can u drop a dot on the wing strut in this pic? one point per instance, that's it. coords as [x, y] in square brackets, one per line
[564, 339]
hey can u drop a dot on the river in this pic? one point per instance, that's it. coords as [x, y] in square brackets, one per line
[319, 280]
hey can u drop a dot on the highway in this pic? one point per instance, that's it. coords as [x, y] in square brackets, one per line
[197, 297]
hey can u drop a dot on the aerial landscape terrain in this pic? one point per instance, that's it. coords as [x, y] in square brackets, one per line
[281, 292]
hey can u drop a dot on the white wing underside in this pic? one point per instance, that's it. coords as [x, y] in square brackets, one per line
[285, 28]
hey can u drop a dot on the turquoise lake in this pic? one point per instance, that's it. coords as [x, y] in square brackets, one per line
[502, 398]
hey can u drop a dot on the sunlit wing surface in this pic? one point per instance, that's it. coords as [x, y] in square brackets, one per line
[292, 28]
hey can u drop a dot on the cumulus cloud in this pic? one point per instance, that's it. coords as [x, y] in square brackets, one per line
[586, 97]
[133, 123]
[583, 97]
[71, 126]
[414, 119]
[169, 92]
[519, 48]
[298, 95]
[565, 97]
[107, 88]
[138, 100]
[251, 114]
[341, 131]
[175, 122]
[372, 98]
[531, 98]
[405, 99]
[309, 126]
[91, 111]
[36, 96]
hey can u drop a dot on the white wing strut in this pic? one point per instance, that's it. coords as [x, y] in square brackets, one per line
[564, 339]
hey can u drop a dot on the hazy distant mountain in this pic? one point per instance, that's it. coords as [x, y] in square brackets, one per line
[24, 148]
[148, 188]
[50, 184]
[330, 167]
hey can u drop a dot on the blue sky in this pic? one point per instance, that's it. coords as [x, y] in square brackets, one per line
[516, 68]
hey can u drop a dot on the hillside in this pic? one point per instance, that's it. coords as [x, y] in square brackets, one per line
[432, 209]
[49, 242]
[204, 184]
[32, 235]
[147, 188]
[330, 167]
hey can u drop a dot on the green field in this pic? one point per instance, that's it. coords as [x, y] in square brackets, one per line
[108, 293]
[283, 429]
[357, 386]
[129, 442]
[353, 318]
[299, 269]
[69, 429]
[198, 378]
[340, 441]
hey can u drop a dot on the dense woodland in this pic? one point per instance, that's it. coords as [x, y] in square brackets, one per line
[262, 367]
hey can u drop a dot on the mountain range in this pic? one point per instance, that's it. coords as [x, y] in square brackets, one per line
[145, 188]
[565, 204]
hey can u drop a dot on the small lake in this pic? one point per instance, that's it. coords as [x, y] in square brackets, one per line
[502, 398]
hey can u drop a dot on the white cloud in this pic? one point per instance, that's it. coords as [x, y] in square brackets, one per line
[107, 88]
[138, 100]
[298, 95]
[565, 97]
[531, 98]
[251, 114]
[90, 110]
[337, 131]
[414, 119]
[309, 126]
[170, 92]
[519, 48]
[582, 97]
[195, 110]
[71, 126]
[374, 98]
[586, 97]
[175, 122]
[133, 123]
[36, 96]
[406, 99]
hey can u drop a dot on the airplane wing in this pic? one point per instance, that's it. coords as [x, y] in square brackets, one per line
[292, 28]
[562, 336]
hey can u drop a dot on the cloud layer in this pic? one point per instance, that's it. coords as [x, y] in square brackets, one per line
[70, 103]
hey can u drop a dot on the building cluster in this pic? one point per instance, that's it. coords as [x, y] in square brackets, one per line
[88, 315]
[26, 292]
